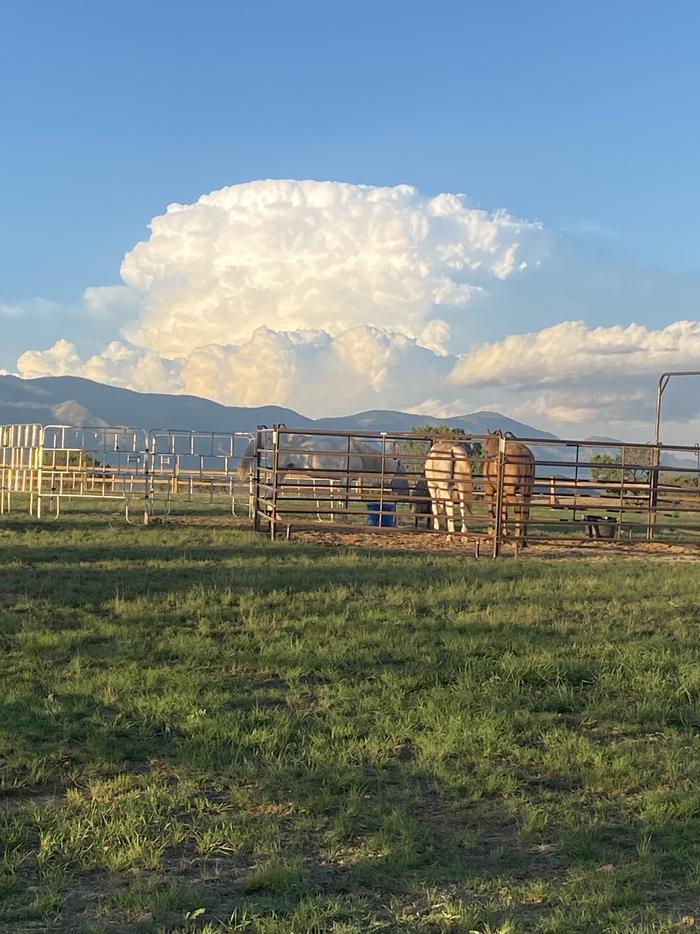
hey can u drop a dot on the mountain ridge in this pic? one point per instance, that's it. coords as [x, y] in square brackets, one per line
[75, 400]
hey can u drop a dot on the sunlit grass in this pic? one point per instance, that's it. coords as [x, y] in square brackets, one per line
[203, 730]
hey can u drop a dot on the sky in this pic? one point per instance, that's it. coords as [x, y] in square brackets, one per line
[435, 207]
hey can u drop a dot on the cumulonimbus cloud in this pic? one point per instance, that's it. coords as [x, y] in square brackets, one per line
[295, 255]
[330, 297]
[320, 295]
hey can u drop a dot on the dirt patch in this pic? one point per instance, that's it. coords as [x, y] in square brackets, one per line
[424, 542]
[430, 543]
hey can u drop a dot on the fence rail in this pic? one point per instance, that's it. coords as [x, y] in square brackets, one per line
[597, 489]
[149, 472]
[286, 479]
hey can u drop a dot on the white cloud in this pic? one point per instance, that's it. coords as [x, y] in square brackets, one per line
[318, 295]
[436, 408]
[117, 301]
[317, 373]
[117, 365]
[574, 408]
[571, 352]
[291, 255]
[330, 297]
[30, 308]
[60, 360]
[574, 378]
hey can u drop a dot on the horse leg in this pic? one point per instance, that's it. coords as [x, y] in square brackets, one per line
[434, 504]
[449, 513]
[463, 512]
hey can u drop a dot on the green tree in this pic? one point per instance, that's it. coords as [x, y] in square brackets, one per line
[413, 453]
[63, 459]
[607, 468]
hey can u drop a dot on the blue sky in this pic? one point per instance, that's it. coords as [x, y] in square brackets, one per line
[581, 116]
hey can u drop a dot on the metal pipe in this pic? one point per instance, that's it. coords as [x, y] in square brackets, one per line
[661, 388]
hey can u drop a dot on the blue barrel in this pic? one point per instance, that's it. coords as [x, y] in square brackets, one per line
[388, 518]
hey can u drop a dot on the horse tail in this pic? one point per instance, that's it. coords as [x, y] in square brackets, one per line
[462, 476]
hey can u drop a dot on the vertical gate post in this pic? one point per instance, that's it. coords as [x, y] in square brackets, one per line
[149, 463]
[254, 481]
[275, 467]
[653, 491]
[381, 482]
[39, 470]
[498, 518]
[345, 485]
[621, 505]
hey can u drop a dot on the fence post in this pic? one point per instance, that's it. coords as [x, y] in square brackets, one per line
[653, 491]
[381, 482]
[498, 526]
[275, 467]
[621, 504]
[148, 473]
[40, 470]
[254, 481]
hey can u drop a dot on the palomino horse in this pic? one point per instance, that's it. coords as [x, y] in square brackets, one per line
[449, 480]
[518, 481]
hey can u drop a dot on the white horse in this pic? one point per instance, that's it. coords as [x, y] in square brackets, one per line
[449, 479]
[326, 455]
[330, 459]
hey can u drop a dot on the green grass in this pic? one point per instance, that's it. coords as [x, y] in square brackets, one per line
[201, 730]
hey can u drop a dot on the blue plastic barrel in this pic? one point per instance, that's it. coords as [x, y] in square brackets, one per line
[388, 518]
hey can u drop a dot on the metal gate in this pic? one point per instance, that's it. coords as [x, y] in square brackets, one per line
[599, 490]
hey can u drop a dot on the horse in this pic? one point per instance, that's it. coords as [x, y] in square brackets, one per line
[449, 480]
[518, 481]
[298, 451]
[340, 461]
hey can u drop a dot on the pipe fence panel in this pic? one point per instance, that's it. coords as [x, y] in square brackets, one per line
[190, 467]
[574, 489]
[285, 478]
[20, 464]
[86, 463]
[149, 472]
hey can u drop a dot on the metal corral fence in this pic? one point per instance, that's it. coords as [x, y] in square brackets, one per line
[593, 489]
[151, 472]
[286, 479]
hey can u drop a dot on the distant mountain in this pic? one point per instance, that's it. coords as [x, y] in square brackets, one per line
[667, 458]
[70, 400]
[477, 423]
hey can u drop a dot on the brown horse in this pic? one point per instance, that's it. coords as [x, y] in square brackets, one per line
[449, 480]
[518, 481]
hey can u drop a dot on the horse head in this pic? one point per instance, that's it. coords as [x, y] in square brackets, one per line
[491, 442]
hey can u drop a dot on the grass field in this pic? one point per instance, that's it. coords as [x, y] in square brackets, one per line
[202, 730]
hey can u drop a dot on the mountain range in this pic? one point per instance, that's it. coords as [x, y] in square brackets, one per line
[71, 400]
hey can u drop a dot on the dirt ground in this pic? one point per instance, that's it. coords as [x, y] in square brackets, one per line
[465, 544]
[413, 542]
